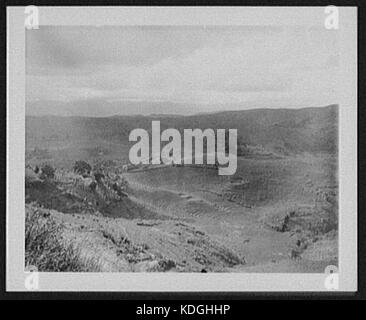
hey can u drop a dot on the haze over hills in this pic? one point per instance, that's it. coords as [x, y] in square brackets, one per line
[282, 130]
[105, 108]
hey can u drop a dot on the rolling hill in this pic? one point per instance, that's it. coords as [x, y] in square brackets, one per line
[282, 130]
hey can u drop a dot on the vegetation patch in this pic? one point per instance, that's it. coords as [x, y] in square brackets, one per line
[45, 247]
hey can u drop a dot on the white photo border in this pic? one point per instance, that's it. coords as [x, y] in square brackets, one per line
[180, 282]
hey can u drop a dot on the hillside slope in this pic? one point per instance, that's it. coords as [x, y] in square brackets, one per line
[282, 130]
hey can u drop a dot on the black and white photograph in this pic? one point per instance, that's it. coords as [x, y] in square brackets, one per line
[218, 144]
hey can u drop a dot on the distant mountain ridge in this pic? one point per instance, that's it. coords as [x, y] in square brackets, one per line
[281, 130]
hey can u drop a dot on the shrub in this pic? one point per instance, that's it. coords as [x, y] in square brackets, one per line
[82, 167]
[44, 246]
[48, 172]
[30, 177]
[99, 176]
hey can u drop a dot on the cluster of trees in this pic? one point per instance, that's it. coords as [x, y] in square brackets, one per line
[83, 168]
[46, 171]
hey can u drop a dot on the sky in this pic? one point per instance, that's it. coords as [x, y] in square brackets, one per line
[210, 67]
